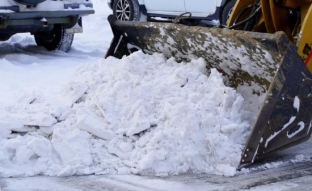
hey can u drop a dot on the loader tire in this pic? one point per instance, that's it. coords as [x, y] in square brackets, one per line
[126, 10]
[56, 39]
[29, 2]
[226, 11]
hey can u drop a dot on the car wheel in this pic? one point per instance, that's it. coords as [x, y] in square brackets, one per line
[29, 2]
[126, 10]
[226, 11]
[56, 39]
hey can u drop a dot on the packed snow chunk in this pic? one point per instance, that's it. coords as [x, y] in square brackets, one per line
[27, 155]
[29, 109]
[73, 147]
[6, 128]
[93, 124]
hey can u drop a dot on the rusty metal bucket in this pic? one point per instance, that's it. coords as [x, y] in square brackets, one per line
[264, 68]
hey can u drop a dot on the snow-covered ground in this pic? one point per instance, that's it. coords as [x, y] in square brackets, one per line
[65, 114]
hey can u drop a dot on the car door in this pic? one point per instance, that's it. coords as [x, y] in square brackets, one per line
[201, 8]
[165, 6]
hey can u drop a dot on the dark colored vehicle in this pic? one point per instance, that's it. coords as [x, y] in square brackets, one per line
[53, 23]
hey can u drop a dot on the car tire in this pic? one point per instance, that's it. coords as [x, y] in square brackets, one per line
[226, 11]
[29, 2]
[127, 10]
[56, 39]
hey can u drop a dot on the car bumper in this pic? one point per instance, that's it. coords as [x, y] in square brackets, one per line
[43, 14]
[12, 18]
[61, 7]
[73, 9]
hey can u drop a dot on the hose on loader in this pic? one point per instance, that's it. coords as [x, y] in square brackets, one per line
[248, 27]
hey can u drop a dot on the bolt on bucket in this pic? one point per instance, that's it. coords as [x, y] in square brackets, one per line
[264, 68]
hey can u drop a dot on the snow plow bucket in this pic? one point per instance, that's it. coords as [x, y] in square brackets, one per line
[264, 68]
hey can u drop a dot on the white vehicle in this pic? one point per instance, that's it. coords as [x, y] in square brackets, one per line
[137, 10]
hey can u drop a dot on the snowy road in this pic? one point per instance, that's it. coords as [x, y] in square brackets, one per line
[278, 174]
[32, 90]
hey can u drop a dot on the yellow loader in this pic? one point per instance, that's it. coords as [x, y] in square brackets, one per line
[264, 52]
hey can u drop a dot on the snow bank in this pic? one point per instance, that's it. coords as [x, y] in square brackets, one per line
[138, 115]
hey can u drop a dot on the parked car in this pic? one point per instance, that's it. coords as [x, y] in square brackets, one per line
[136, 10]
[53, 23]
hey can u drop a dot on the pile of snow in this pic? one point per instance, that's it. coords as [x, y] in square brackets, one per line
[139, 115]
